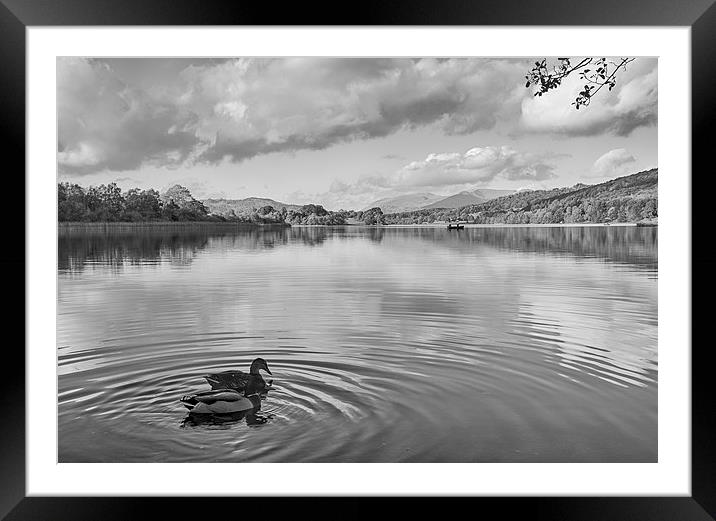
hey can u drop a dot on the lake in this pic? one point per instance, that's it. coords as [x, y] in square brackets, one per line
[386, 344]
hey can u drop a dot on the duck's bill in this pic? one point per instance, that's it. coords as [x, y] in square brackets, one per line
[268, 370]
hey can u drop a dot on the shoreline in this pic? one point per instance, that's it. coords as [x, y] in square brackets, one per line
[500, 225]
[533, 225]
[233, 225]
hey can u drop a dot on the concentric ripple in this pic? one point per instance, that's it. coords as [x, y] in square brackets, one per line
[399, 344]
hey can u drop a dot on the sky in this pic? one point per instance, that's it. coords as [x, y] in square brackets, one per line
[344, 132]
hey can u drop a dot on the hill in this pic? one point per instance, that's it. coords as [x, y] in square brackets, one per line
[467, 198]
[417, 201]
[244, 206]
[631, 198]
[404, 203]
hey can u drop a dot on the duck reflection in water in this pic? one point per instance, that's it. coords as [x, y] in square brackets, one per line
[252, 417]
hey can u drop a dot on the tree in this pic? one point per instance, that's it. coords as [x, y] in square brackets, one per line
[170, 211]
[143, 205]
[187, 208]
[649, 210]
[314, 208]
[602, 73]
[104, 203]
[177, 193]
[71, 204]
[373, 216]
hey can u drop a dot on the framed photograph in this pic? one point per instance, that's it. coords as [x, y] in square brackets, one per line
[422, 252]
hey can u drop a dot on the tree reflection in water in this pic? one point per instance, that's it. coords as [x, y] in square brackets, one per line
[120, 247]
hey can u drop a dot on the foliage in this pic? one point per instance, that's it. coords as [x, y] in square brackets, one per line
[314, 214]
[184, 207]
[244, 206]
[626, 199]
[143, 205]
[371, 216]
[602, 73]
[107, 203]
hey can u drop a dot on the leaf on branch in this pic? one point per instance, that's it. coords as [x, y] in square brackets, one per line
[548, 78]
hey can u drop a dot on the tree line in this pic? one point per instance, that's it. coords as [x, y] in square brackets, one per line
[108, 203]
[631, 198]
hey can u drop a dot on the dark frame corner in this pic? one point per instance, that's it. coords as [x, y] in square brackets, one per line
[700, 15]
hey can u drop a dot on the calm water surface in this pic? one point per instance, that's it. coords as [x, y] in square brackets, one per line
[386, 344]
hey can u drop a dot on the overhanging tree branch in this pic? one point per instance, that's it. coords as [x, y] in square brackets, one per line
[603, 73]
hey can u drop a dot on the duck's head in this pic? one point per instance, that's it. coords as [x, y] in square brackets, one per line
[257, 365]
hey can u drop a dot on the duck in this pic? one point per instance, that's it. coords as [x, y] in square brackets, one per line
[223, 401]
[227, 401]
[238, 380]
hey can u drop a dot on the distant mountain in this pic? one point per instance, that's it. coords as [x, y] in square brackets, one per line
[411, 202]
[244, 206]
[469, 198]
[490, 193]
[404, 203]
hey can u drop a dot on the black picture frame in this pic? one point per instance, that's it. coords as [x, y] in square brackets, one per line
[700, 15]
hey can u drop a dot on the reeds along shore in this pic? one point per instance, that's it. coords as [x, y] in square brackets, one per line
[70, 228]
[167, 224]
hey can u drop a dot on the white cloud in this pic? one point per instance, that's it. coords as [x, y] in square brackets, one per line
[613, 163]
[445, 173]
[309, 103]
[104, 124]
[82, 155]
[232, 110]
[241, 108]
[477, 165]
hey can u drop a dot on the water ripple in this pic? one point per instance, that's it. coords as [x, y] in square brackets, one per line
[532, 347]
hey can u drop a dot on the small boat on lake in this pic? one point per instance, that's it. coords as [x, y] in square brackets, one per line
[456, 226]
